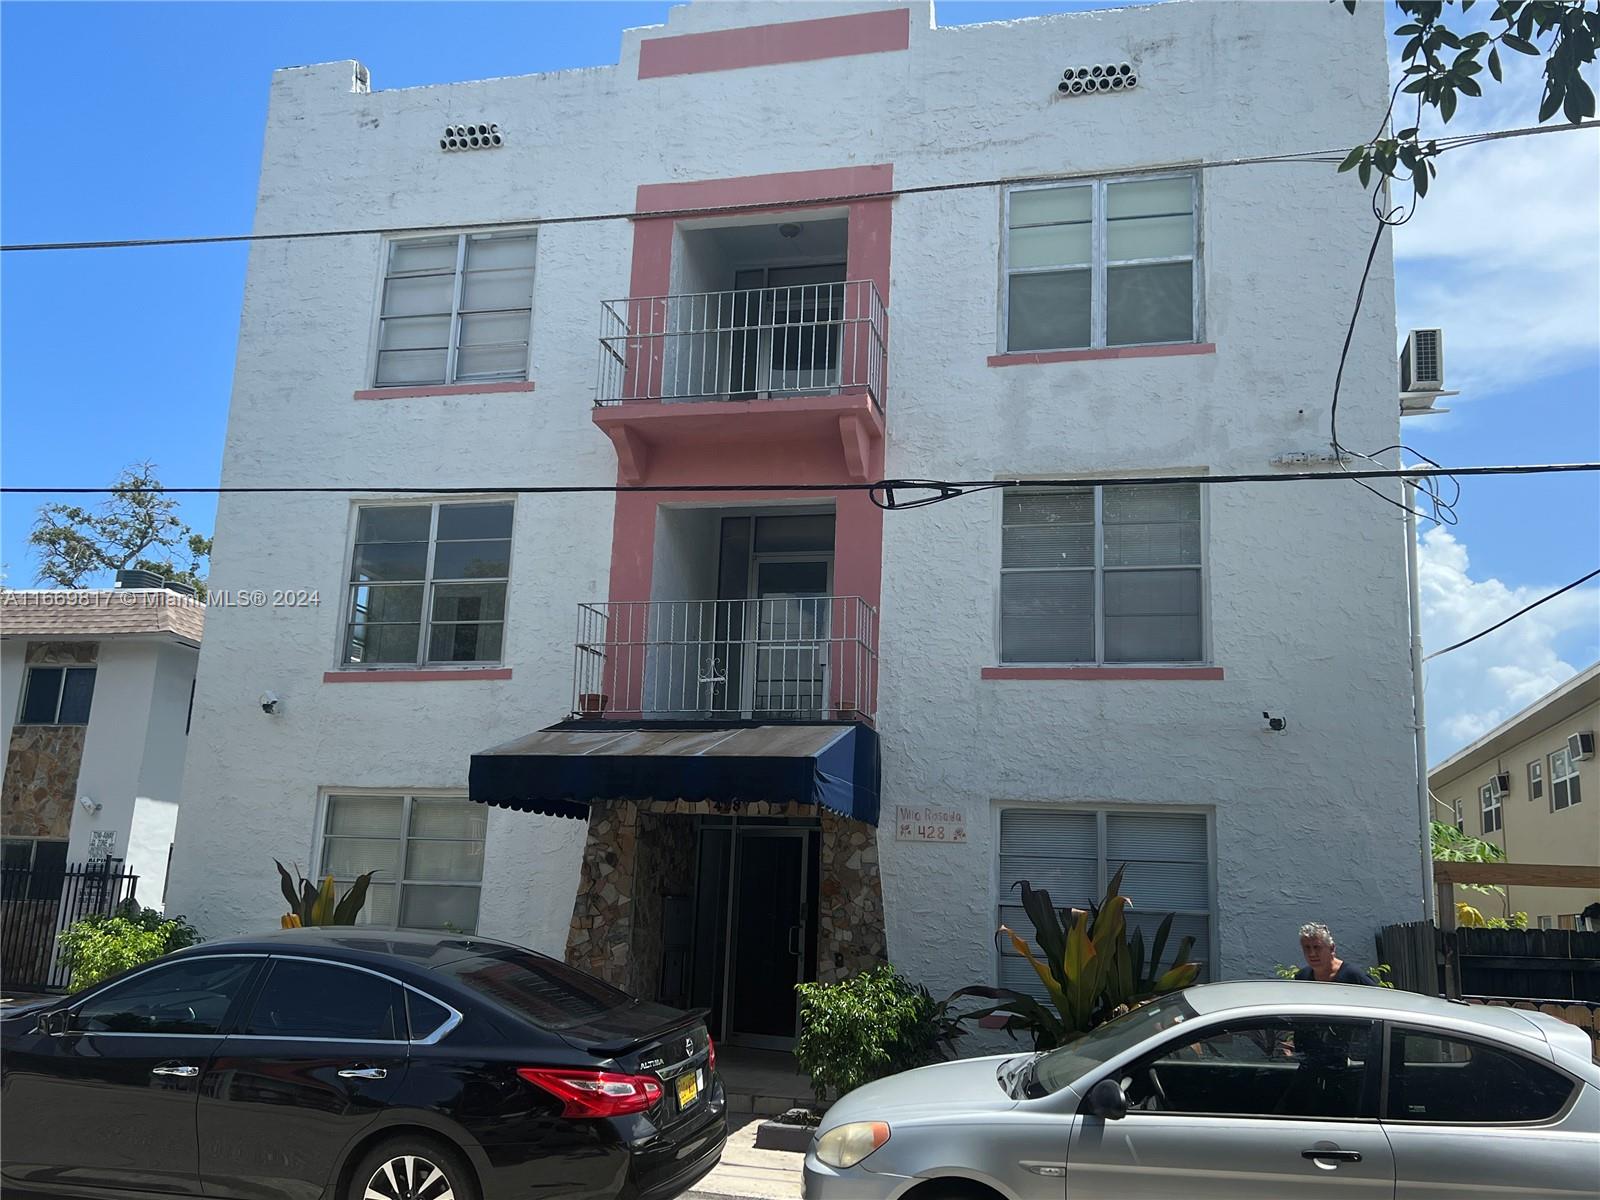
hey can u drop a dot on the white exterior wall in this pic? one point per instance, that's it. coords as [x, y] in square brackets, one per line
[1306, 594]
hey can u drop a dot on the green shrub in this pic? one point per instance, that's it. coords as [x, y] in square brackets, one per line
[865, 1028]
[100, 946]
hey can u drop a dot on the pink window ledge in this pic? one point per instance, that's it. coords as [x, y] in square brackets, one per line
[445, 675]
[1102, 673]
[1036, 357]
[449, 389]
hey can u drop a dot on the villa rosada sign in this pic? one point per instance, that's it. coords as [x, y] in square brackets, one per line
[926, 823]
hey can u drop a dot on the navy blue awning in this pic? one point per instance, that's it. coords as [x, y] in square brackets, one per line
[560, 771]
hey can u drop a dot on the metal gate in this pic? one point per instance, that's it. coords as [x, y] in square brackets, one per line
[37, 903]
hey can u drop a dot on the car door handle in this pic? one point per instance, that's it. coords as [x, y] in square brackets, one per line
[182, 1072]
[363, 1073]
[1338, 1155]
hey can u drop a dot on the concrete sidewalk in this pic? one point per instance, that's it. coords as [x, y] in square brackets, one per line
[746, 1173]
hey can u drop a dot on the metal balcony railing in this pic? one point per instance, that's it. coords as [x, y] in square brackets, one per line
[792, 658]
[760, 343]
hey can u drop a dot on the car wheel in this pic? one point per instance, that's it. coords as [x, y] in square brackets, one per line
[413, 1168]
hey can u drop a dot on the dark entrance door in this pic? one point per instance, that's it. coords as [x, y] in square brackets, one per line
[770, 936]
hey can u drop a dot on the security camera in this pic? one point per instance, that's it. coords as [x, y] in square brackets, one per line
[1276, 724]
[90, 805]
[269, 703]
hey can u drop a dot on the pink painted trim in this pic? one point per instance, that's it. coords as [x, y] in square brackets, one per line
[767, 45]
[1102, 672]
[778, 189]
[452, 675]
[1058, 356]
[449, 389]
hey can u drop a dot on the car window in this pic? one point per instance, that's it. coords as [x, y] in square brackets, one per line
[425, 1016]
[551, 994]
[1437, 1078]
[1071, 1062]
[1276, 1067]
[189, 996]
[321, 1000]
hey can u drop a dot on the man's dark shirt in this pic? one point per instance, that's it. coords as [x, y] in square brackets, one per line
[1345, 974]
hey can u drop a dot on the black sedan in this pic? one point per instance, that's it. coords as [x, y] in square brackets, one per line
[357, 1065]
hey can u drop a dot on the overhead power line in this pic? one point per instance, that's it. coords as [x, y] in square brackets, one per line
[882, 491]
[1333, 155]
[1520, 612]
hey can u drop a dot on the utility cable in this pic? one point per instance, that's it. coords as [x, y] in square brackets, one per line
[1485, 632]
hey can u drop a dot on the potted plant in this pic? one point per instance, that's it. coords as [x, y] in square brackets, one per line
[592, 705]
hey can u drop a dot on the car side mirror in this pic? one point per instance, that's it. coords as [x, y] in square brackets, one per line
[56, 1023]
[1108, 1101]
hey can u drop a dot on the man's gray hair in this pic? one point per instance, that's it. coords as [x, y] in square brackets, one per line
[1317, 931]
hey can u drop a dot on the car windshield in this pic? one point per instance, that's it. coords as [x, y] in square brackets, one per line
[550, 994]
[1060, 1067]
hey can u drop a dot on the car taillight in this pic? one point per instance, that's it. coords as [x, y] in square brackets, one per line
[711, 1049]
[595, 1093]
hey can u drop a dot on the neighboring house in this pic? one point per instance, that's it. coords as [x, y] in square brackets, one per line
[98, 689]
[807, 733]
[1532, 787]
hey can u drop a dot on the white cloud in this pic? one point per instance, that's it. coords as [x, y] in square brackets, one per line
[1473, 689]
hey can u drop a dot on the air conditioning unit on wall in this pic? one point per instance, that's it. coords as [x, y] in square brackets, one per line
[1422, 361]
[1580, 746]
[1500, 786]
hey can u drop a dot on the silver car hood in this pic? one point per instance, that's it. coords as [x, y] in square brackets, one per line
[970, 1084]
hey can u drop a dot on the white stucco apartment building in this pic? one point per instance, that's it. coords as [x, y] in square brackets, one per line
[806, 733]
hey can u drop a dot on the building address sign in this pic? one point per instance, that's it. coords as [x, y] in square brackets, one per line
[928, 823]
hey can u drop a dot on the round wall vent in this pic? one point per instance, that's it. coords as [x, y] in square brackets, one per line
[470, 137]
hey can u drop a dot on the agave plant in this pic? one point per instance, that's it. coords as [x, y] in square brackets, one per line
[312, 905]
[1091, 969]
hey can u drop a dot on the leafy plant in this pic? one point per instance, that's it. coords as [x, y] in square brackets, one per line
[102, 945]
[1469, 917]
[1091, 969]
[864, 1028]
[312, 905]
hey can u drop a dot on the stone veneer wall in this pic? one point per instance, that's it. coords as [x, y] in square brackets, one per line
[636, 852]
[42, 761]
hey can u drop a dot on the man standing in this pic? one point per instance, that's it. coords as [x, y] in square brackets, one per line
[1322, 964]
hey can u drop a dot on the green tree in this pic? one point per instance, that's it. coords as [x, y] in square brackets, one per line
[1452, 845]
[137, 527]
[1439, 65]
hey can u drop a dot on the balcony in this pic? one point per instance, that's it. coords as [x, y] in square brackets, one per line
[791, 658]
[756, 344]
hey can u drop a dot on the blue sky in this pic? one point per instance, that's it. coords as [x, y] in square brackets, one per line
[128, 120]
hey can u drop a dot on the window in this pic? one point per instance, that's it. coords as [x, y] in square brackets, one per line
[1101, 575]
[427, 852]
[1535, 780]
[34, 868]
[320, 1000]
[1564, 791]
[1280, 1067]
[1489, 806]
[426, 1017]
[1437, 1078]
[1101, 264]
[1072, 854]
[1459, 815]
[428, 583]
[57, 696]
[192, 996]
[456, 309]
[549, 993]
[1547, 922]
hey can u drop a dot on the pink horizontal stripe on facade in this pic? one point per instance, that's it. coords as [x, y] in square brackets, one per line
[1059, 356]
[767, 45]
[378, 675]
[1104, 673]
[782, 189]
[448, 389]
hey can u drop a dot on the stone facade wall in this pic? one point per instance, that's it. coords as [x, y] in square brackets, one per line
[850, 932]
[42, 761]
[602, 912]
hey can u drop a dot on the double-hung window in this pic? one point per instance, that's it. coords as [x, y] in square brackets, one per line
[428, 584]
[1100, 264]
[1535, 780]
[57, 696]
[1564, 791]
[456, 309]
[1101, 575]
[427, 852]
[1489, 806]
[1458, 818]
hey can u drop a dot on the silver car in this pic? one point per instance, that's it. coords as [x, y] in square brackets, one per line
[1239, 1091]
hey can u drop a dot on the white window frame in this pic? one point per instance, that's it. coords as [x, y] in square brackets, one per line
[421, 662]
[1563, 781]
[406, 796]
[453, 345]
[61, 690]
[1098, 261]
[1458, 811]
[1490, 804]
[1100, 569]
[1536, 779]
[1102, 871]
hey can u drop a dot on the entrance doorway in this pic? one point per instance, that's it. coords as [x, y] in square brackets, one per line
[755, 926]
